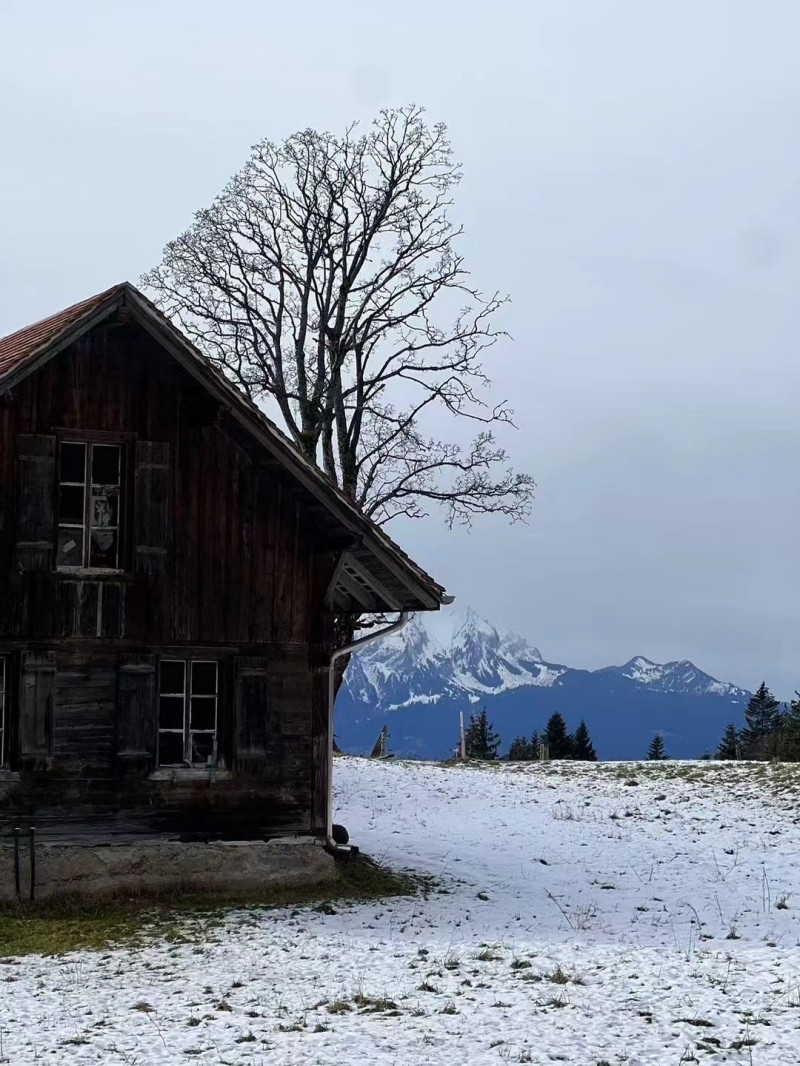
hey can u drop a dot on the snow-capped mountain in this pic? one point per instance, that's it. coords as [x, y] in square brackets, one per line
[399, 679]
[683, 677]
[406, 668]
[414, 667]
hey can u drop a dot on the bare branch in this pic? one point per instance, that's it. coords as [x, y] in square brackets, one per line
[326, 276]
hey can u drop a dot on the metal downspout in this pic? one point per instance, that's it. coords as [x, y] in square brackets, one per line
[395, 627]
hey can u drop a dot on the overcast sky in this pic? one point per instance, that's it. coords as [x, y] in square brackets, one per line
[631, 179]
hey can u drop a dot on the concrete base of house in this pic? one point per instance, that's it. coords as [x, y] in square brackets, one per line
[96, 870]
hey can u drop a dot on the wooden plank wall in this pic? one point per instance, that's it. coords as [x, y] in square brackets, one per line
[218, 554]
[80, 774]
[239, 554]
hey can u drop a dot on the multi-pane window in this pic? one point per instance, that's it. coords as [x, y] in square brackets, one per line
[89, 479]
[3, 687]
[187, 719]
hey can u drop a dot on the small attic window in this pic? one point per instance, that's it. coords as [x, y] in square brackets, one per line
[89, 505]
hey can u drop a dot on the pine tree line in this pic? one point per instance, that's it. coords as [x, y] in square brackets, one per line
[771, 731]
[556, 742]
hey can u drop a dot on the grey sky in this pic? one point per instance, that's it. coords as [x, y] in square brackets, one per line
[631, 179]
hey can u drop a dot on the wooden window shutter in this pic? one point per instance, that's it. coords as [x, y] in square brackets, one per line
[36, 705]
[251, 701]
[136, 708]
[36, 469]
[152, 506]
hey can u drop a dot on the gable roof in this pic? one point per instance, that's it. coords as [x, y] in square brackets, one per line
[17, 348]
[374, 573]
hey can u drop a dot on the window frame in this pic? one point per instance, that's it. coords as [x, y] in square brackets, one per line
[90, 441]
[188, 695]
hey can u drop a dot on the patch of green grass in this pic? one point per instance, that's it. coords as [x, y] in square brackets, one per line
[373, 1004]
[53, 928]
[488, 954]
[560, 976]
[556, 1001]
[339, 1006]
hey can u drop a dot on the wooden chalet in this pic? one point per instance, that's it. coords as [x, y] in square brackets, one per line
[170, 570]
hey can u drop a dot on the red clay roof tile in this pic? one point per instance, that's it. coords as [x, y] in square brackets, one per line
[17, 347]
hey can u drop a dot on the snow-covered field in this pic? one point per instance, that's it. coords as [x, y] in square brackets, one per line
[592, 915]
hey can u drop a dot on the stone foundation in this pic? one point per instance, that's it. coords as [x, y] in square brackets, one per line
[162, 866]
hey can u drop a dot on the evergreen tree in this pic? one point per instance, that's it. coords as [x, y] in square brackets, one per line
[763, 722]
[791, 731]
[557, 738]
[582, 747]
[729, 745]
[480, 739]
[656, 751]
[520, 750]
[535, 744]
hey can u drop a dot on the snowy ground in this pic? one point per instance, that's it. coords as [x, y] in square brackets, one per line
[594, 915]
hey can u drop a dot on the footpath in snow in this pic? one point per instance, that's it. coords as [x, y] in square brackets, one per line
[589, 914]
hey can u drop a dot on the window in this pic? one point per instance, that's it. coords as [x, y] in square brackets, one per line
[3, 687]
[187, 716]
[89, 480]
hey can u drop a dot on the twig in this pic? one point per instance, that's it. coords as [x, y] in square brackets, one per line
[563, 911]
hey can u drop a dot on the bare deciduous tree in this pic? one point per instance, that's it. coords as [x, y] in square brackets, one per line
[326, 277]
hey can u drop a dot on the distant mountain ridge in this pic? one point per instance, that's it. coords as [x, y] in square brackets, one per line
[415, 681]
[414, 667]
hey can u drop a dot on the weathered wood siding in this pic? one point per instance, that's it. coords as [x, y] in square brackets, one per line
[89, 741]
[219, 557]
[216, 548]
